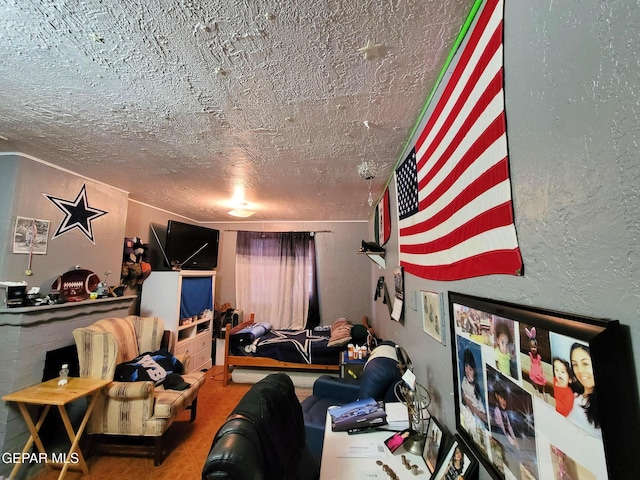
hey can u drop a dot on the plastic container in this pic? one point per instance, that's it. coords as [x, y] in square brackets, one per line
[64, 375]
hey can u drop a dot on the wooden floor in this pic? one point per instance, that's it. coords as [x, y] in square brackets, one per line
[187, 443]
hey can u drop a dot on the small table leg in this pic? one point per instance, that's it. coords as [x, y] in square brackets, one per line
[75, 436]
[33, 430]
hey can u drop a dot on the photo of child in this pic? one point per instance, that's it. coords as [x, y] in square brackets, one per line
[563, 379]
[565, 468]
[512, 423]
[503, 346]
[473, 412]
[535, 361]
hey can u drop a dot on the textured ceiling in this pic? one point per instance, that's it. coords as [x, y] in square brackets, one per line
[183, 103]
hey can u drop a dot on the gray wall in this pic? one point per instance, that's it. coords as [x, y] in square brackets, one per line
[343, 276]
[571, 83]
[26, 180]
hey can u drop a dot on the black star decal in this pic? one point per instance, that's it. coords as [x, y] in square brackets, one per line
[77, 214]
[301, 340]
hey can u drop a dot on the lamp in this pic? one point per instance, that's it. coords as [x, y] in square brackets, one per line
[417, 400]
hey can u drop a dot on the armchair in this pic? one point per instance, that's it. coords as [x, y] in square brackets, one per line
[131, 408]
[379, 376]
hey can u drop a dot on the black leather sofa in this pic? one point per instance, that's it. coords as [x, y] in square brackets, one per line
[379, 377]
[263, 438]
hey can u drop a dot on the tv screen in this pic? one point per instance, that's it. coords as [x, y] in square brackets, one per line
[191, 247]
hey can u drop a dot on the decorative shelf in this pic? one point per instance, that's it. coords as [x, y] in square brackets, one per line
[376, 257]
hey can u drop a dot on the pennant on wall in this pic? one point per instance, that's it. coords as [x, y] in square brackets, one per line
[454, 193]
[77, 214]
[383, 219]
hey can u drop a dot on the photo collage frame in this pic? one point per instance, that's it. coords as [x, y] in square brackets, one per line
[526, 385]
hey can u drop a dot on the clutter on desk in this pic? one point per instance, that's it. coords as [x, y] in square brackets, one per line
[364, 413]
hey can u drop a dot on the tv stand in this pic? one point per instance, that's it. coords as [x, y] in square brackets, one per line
[163, 295]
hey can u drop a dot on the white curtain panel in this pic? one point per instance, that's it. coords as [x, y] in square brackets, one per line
[273, 277]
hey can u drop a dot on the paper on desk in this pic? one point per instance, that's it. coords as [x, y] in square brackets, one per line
[349, 447]
[370, 475]
[397, 416]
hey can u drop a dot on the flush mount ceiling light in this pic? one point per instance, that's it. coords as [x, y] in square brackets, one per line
[239, 212]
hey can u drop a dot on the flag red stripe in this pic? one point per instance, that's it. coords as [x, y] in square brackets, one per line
[493, 88]
[499, 216]
[508, 262]
[493, 176]
[484, 140]
[465, 56]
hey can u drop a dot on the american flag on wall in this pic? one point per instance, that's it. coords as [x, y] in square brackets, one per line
[454, 193]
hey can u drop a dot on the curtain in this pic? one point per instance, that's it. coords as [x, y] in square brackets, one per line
[276, 278]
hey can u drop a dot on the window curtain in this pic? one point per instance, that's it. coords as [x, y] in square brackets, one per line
[276, 278]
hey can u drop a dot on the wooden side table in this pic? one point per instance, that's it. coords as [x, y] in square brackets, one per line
[49, 394]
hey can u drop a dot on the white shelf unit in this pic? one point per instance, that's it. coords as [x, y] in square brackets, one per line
[162, 297]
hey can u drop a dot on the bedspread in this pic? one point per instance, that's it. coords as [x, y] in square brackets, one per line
[296, 346]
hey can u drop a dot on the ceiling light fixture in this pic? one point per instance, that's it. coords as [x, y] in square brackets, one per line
[239, 212]
[368, 170]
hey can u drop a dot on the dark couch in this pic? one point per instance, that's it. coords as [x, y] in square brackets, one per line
[263, 438]
[379, 377]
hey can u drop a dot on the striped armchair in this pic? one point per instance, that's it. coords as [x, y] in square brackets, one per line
[131, 408]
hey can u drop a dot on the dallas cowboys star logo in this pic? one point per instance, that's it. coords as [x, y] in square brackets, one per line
[77, 214]
[301, 340]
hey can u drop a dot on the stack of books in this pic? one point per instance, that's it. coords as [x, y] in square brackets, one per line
[358, 415]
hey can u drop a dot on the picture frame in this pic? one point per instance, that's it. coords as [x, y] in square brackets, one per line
[432, 315]
[30, 236]
[459, 463]
[524, 379]
[434, 445]
[397, 313]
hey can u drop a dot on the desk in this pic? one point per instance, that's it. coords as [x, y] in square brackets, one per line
[49, 394]
[337, 466]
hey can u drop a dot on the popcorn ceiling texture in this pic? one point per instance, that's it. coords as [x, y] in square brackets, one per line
[180, 101]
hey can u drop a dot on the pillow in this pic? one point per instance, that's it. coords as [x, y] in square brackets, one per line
[340, 333]
[150, 366]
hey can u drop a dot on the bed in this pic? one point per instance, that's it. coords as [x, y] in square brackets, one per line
[278, 350]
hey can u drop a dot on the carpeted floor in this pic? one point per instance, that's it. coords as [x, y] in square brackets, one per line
[187, 443]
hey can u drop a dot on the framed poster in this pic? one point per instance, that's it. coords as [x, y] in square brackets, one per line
[432, 318]
[541, 394]
[30, 235]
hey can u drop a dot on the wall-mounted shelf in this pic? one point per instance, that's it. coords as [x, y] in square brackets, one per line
[376, 257]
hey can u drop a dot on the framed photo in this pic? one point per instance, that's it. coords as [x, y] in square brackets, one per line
[458, 464]
[432, 318]
[434, 445]
[30, 235]
[526, 381]
[397, 439]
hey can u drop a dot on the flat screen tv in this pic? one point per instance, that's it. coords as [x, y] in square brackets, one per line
[191, 247]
